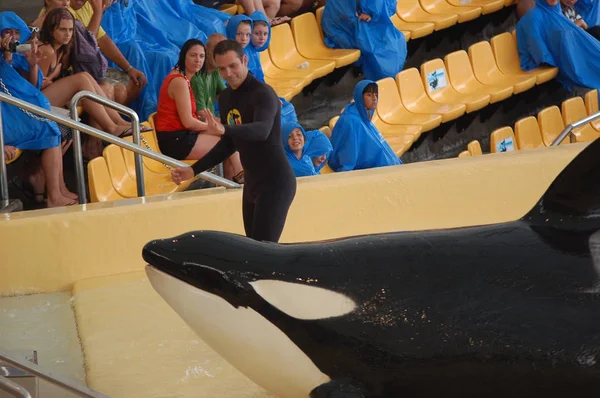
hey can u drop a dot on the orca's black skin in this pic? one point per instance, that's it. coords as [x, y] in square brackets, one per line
[506, 310]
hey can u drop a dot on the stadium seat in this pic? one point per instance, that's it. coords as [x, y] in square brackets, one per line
[272, 71]
[487, 6]
[503, 140]
[464, 154]
[230, 9]
[504, 47]
[527, 133]
[464, 13]
[415, 99]
[327, 170]
[100, 184]
[399, 137]
[326, 130]
[508, 3]
[474, 148]
[438, 88]
[332, 122]
[460, 74]
[285, 55]
[391, 110]
[411, 11]
[309, 42]
[572, 111]
[591, 106]
[18, 154]
[285, 88]
[551, 125]
[487, 72]
[416, 29]
[319, 16]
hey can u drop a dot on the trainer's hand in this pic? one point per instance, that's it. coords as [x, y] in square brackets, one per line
[214, 126]
[182, 174]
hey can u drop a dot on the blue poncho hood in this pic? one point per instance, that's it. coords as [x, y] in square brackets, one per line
[546, 36]
[589, 11]
[317, 145]
[260, 16]
[357, 144]
[233, 24]
[382, 45]
[302, 167]
[21, 130]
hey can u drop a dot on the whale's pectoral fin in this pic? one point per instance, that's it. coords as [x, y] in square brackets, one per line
[339, 388]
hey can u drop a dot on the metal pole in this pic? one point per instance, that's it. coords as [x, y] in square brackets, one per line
[78, 155]
[55, 379]
[13, 388]
[562, 135]
[4, 200]
[112, 139]
[139, 165]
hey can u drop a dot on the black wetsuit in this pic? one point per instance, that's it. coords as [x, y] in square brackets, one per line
[252, 118]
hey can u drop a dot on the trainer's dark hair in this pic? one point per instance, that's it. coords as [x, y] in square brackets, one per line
[229, 45]
[183, 53]
[371, 88]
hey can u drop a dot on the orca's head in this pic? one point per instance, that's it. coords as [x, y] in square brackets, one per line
[220, 283]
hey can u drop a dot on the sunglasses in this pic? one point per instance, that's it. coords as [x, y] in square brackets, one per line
[34, 29]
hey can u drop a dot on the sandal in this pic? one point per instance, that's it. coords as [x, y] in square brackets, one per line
[239, 177]
[128, 132]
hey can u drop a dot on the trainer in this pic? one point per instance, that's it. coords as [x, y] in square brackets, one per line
[250, 124]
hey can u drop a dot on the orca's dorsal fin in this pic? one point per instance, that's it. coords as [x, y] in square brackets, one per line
[575, 192]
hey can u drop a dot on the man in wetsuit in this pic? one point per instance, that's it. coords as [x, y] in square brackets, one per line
[250, 124]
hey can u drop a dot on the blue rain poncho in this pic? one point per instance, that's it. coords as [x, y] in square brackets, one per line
[208, 20]
[119, 22]
[357, 144]
[302, 167]
[382, 45]
[20, 130]
[317, 145]
[546, 36]
[288, 112]
[589, 11]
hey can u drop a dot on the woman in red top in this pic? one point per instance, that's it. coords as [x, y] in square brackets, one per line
[178, 129]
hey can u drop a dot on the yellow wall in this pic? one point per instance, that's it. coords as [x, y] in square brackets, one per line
[49, 251]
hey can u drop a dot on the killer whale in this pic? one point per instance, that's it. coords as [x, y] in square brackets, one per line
[510, 309]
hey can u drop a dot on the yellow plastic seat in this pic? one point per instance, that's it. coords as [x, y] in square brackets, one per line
[464, 13]
[285, 55]
[272, 71]
[415, 29]
[18, 154]
[591, 106]
[439, 89]
[573, 110]
[230, 9]
[527, 133]
[391, 110]
[508, 3]
[464, 154]
[414, 98]
[309, 42]
[287, 89]
[460, 74]
[100, 184]
[504, 47]
[487, 6]
[411, 11]
[326, 130]
[399, 137]
[551, 125]
[332, 122]
[326, 169]
[487, 72]
[474, 148]
[503, 140]
[319, 16]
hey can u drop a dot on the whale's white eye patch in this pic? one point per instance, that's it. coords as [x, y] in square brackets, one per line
[303, 301]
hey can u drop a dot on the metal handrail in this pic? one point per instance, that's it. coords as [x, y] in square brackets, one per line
[49, 376]
[569, 129]
[135, 129]
[159, 157]
[16, 390]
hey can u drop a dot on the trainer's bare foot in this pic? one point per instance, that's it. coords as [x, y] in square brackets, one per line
[59, 201]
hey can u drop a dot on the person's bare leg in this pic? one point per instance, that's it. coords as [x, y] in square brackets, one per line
[232, 166]
[92, 147]
[106, 90]
[120, 93]
[63, 186]
[204, 143]
[52, 167]
[291, 7]
[60, 93]
[272, 8]
[251, 5]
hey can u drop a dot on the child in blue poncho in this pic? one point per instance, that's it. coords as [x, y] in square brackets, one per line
[357, 144]
[318, 148]
[293, 137]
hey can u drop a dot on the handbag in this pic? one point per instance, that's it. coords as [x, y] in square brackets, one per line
[86, 56]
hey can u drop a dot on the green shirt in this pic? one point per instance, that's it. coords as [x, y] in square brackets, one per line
[206, 88]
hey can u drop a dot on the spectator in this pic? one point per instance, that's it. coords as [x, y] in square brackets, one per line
[568, 9]
[178, 129]
[318, 148]
[545, 36]
[207, 84]
[268, 7]
[590, 11]
[366, 25]
[293, 137]
[357, 144]
[24, 130]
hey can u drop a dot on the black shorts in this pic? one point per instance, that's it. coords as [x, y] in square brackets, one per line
[176, 144]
